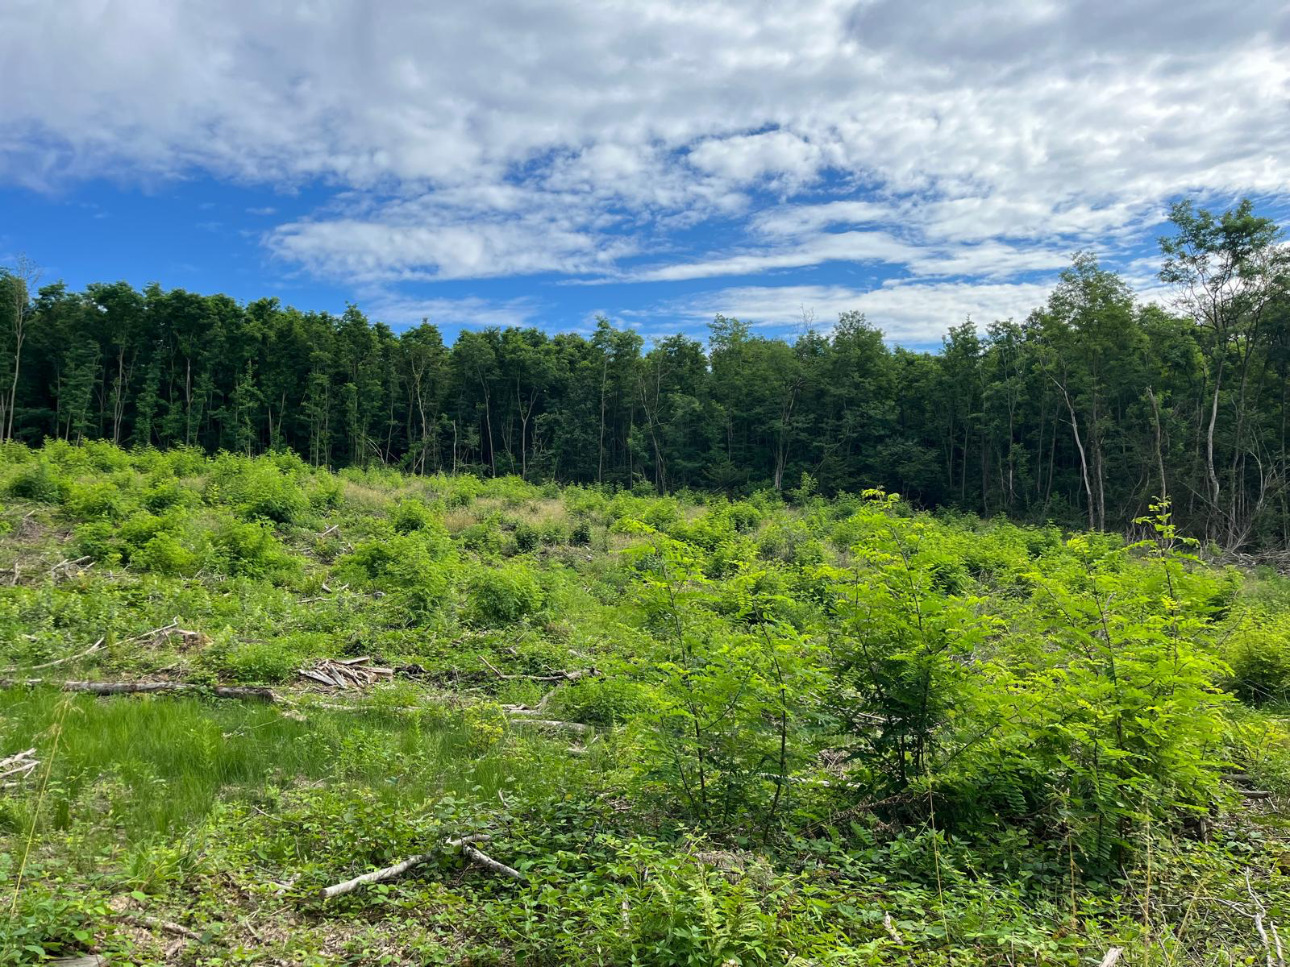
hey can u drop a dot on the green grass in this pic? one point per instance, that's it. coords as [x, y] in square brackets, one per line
[157, 765]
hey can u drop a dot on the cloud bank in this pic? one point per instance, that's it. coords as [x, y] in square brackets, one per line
[947, 153]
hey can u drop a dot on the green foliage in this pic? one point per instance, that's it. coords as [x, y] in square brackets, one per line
[806, 716]
[503, 595]
[411, 515]
[250, 549]
[1258, 654]
[256, 489]
[38, 481]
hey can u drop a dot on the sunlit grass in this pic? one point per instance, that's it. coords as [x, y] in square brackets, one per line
[155, 766]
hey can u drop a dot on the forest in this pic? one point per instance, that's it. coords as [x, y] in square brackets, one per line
[1083, 413]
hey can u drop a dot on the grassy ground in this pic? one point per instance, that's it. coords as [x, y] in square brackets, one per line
[190, 829]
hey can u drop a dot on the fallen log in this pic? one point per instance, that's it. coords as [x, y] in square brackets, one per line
[562, 675]
[256, 693]
[554, 725]
[398, 869]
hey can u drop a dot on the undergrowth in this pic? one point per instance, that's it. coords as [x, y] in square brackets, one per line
[820, 731]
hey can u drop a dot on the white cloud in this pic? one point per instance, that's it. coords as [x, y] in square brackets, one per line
[915, 313]
[505, 137]
[400, 311]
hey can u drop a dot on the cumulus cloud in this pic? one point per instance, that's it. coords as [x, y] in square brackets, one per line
[660, 141]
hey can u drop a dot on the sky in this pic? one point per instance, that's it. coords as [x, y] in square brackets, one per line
[501, 162]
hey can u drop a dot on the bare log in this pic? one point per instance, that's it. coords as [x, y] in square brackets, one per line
[1112, 957]
[398, 869]
[554, 725]
[144, 688]
[562, 675]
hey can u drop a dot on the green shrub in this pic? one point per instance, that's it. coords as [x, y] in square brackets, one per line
[552, 533]
[417, 567]
[258, 662]
[96, 500]
[483, 537]
[1259, 656]
[411, 515]
[165, 554]
[40, 482]
[250, 549]
[256, 489]
[526, 538]
[504, 595]
[604, 701]
[99, 540]
[165, 494]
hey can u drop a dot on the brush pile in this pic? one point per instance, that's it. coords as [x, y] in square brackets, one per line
[346, 673]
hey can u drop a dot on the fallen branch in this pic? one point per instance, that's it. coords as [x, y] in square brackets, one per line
[398, 869]
[488, 863]
[21, 765]
[59, 661]
[1112, 957]
[1260, 911]
[166, 926]
[889, 925]
[346, 673]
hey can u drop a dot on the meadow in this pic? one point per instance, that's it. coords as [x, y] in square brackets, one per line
[786, 729]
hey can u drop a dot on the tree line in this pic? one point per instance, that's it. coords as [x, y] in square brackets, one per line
[1081, 413]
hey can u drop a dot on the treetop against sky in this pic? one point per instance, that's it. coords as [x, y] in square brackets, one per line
[509, 162]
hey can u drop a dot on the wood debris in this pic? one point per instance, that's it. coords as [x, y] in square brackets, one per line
[256, 693]
[70, 568]
[17, 767]
[398, 869]
[347, 673]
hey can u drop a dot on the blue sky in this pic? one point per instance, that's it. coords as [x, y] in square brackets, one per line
[537, 163]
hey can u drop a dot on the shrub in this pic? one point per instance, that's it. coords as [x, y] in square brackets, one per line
[1259, 656]
[258, 662]
[483, 538]
[552, 533]
[164, 554]
[526, 538]
[256, 488]
[96, 500]
[251, 549]
[504, 595]
[604, 701]
[166, 494]
[411, 515]
[40, 482]
[417, 567]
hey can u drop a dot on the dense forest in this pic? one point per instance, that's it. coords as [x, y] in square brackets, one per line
[1081, 413]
